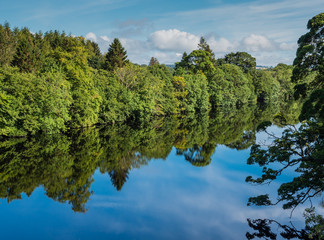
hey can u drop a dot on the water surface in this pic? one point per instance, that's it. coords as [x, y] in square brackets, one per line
[172, 179]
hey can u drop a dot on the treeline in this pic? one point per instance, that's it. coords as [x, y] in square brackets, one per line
[52, 82]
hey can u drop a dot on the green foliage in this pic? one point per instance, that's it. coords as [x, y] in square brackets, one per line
[166, 101]
[95, 58]
[86, 100]
[309, 63]
[7, 45]
[236, 88]
[203, 45]
[314, 228]
[153, 62]
[241, 59]
[191, 92]
[314, 224]
[301, 147]
[310, 52]
[30, 104]
[267, 88]
[216, 86]
[196, 62]
[76, 86]
[27, 55]
[314, 106]
[64, 164]
[282, 73]
[116, 56]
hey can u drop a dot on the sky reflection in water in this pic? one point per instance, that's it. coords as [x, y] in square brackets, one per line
[162, 198]
[167, 199]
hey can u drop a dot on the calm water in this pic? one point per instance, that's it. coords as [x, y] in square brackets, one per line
[175, 179]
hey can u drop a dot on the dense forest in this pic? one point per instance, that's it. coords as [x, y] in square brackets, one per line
[51, 82]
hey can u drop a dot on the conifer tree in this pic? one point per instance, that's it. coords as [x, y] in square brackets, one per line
[116, 56]
[7, 44]
[27, 56]
[154, 61]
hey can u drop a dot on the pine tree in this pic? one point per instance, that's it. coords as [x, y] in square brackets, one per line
[116, 56]
[27, 55]
[153, 62]
[7, 44]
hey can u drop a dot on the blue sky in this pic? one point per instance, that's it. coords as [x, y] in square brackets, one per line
[268, 30]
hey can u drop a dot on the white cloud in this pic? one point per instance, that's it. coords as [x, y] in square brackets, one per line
[222, 45]
[134, 46]
[91, 36]
[105, 38]
[168, 46]
[288, 46]
[102, 41]
[167, 57]
[174, 40]
[255, 43]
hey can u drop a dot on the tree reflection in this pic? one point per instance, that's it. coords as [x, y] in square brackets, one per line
[198, 156]
[118, 177]
[314, 228]
[64, 164]
[301, 149]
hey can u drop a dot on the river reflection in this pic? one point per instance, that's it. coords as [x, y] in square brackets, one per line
[172, 179]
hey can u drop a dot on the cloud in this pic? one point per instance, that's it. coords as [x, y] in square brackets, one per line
[91, 36]
[288, 46]
[255, 43]
[221, 45]
[102, 41]
[167, 57]
[168, 46]
[174, 40]
[135, 46]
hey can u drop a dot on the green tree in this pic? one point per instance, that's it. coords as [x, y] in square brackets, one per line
[203, 45]
[310, 60]
[283, 73]
[27, 56]
[153, 62]
[95, 58]
[116, 56]
[30, 103]
[198, 61]
[191, 92]
[243, 60]
[266, 87]
[166, 101]
[302, 148]
[310, 52]
[314, 228]
[231, 87]
[7, 44]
